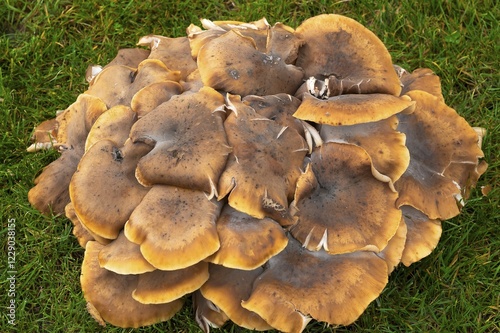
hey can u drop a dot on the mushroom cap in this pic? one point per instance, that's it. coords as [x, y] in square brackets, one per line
[124, 257]
[338, 46]
[422, 236]
[332, 288]
[104, 190]
[246, 242]
[435, 136]
[182, 131]
[393, 252]
[422, 79]
[351, 109]
[385, 145]
[227, 288]
[113, 125]
[76, 121]
[279, 107]
[340, 176]
[116, 85]
[264, 165]
[50, 195]
[44, 136]
[159, 286]
[149, 97]
[80, 231]
[110, 294]
[172, 234]
[173, 52]
[233, 63]
[207, 314]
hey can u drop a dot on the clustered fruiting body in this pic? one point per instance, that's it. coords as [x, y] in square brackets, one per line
[277, 175]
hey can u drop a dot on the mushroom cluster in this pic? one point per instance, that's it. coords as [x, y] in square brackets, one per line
[276, 175]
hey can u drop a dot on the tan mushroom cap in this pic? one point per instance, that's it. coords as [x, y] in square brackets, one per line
[173, 52]
[166, 286]
[82, 235]
[263, 168]
[279, 107]
[465, 175]
[76, 121]
[149, 97]
[297, 283]
[110, 295]
[341, 206]
[104, 190]
[339, 47]
[282, 40]
[130, 57]
[182, 131]
[172, 234]
[351, 109]
[116, 85]
[207, 314]
[44, 136]
[246, 242]
[393, 252]
[50, 193]
[124, 257]
[422, 237]
[381, 140]
[227, 288]
[435, 136]
[422, 79]
[113, 125]
[232, 63]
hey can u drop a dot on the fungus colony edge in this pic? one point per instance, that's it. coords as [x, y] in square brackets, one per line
[276, 175]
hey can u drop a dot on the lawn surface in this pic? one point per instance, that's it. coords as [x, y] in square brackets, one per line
[45, 47]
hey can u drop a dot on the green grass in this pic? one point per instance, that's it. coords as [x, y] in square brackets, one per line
[45, 47]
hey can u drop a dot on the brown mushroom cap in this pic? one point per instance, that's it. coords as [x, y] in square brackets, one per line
[207, 314]
[173, 52]
[124, 257]
[422, 79]
[82, 235]
[341, 206]
[263, 168]
[422, 236]
[351, 109]
[332, 288]
[149, 97]
[435, 136]
[104, 190]
[50, 193]
[279, 107]
[340, 47]
[110, 294]
[130, 57]
[246, 242]
[232, 63]
[44, 136]
[182, 131]
[172, 234]
[227, 288]
[116, 85]
[159, 286]
[393, 252]
[385, 145]
[113, 125]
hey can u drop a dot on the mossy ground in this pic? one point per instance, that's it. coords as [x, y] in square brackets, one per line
[45, 47]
